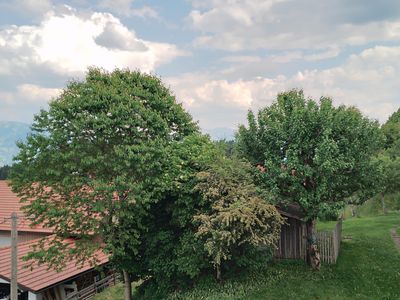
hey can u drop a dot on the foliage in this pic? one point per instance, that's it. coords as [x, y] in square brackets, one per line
[314, 154]
[170, 254]
[388, 160]
[389, 168]
[227, 146]
[367, 268]
[238, 216]
[373, 206]
[174, 255]
[4, 172]
[95, 163]
[114, 163]
[391, 130]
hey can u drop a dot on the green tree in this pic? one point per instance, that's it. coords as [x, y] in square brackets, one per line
[391, 130]
[4, 172]
[95, 163]
[171, 256]
[312, 153]
[389, 158]
[227, 146]
[389, 168]
[174, 253]
[238, 216]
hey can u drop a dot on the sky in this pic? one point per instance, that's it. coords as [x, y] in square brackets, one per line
[220, 58]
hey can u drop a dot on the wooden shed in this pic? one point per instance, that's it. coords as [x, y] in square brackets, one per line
[293, 240]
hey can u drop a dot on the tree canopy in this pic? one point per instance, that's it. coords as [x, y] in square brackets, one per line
[116, 163]
[314, 154]
[96, 160]
[391, 130]
[388, 158]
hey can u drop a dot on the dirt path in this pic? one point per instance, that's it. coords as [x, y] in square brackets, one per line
[395, 237]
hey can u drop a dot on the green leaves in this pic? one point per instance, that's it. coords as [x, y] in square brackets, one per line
[391, 130]
[238, 216]
[99, 156]
[314, 153]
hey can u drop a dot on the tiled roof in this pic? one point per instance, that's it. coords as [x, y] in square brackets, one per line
[41, 277]
[9, 202]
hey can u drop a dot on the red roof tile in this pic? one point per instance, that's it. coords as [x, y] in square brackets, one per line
[9, 202]
[41, 277]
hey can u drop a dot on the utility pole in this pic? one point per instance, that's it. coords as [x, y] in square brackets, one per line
[14, 256]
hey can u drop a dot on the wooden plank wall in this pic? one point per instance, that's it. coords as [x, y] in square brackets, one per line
[293, 242]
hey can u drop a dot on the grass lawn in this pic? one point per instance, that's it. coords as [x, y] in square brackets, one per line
[368, 267]
[116, 292]
[326, 225]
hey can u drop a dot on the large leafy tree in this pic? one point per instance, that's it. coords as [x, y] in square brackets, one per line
[389, 158]
[389, 168]
[312, 154]
[96, 161]
[391, 130]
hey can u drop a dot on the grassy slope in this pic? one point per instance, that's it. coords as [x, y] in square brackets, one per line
[326, 226]
[368, 268]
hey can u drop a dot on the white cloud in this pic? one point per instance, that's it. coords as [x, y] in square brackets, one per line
[36, 59]
[124, 8]
[237, 25]
[32, 8]
[368, 80]
[37, 94]
[241, 59]
[329, 53]
[69, 42]
[25, 101]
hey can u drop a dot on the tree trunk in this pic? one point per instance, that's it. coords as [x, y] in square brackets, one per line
[313, 256]
[127, 286]
[383, 203]
[218, 272]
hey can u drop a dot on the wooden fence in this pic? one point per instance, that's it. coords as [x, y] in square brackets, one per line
[97, 287]
[329, 243]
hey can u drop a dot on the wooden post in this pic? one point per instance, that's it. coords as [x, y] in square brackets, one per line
[14, 256]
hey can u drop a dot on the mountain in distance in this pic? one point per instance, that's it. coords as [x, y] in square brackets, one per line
[221, 133]
[10, 133]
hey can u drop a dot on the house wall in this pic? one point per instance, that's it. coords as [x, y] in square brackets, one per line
[292, 243]
[5, 237]
[33, 296]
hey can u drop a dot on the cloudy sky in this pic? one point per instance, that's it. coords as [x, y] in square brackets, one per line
[220, 57]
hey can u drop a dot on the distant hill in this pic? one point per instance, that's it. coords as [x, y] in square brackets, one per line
[10, 133]
[221, 133]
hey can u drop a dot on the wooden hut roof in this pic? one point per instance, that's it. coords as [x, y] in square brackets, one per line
[290, 210]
